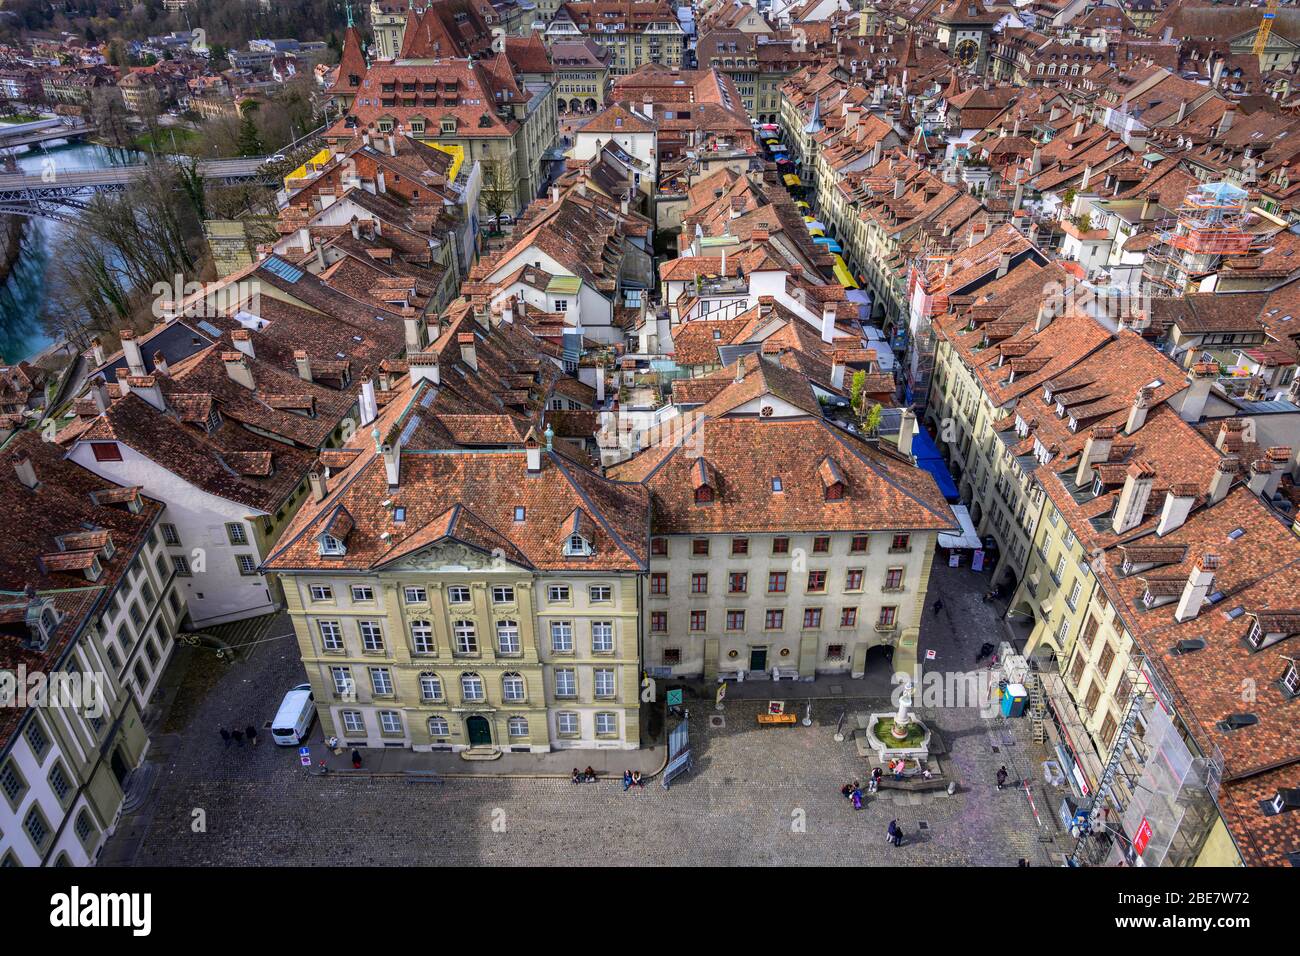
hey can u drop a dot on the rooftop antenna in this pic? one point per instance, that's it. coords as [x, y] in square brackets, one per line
[348, 7]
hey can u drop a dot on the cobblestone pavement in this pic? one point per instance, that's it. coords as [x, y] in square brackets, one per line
[760, 796]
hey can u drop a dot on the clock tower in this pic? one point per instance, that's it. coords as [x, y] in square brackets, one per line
[964, 28]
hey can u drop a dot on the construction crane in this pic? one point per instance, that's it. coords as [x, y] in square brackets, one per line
[1265, 28]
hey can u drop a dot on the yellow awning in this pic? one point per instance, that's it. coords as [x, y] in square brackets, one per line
[815, 233]
[843, 274]
[791, 179]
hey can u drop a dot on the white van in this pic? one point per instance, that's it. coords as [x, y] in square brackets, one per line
[294, 718]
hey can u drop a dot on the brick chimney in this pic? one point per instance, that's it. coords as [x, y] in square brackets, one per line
[99, 393]
[1137, 415]
[160, 366]
[1199, 584]
[237, 368]
[1264, 478]
[1131, 506]
[131, 352]
[1229, 440]
[1224, 473]
[392, 463]
[97, 350]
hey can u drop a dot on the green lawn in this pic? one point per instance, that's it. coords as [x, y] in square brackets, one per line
[160, 141]
[19, 118]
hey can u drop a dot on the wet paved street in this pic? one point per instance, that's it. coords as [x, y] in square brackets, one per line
[757, 795]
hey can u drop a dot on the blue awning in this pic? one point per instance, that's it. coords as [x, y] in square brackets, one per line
[928, 457]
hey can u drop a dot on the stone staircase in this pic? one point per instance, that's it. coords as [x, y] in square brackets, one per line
[480, 753]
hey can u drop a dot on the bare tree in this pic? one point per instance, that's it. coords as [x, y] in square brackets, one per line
[498, 193]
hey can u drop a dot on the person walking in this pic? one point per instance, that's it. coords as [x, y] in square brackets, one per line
[239, 736]
[1002, 776]
[251, 733]
[225, 735]
[356, 759]
[938, 605]
[892, 833]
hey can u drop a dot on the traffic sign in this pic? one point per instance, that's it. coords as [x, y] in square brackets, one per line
[675, 697]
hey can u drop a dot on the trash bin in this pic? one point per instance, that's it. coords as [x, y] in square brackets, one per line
[1013, 700]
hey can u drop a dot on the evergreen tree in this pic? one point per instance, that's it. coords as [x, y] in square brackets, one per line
[250, 141]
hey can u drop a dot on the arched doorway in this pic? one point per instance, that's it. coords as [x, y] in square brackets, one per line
[591, 106]
[561, 106]
[479, 731]
[575, 105]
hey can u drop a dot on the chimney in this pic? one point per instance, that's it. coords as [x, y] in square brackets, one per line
[146, 386]
[1078, 127]
[1149, 200]
[1199, 380]
[392, 145]
[467, 354]
[555, 194]
[828, 322]
[392, 463]
[304, 239]
[317, 482]
[837, 368]
[1132, 504]
[1229, 439]
[99, 392]
[97, 349]
[423, 367]
[1087, 177]
[1264, 478]
[1137, 415]
[123, 389]
[899, 186]
[648, 107]
[1018, 199]
[380, 186]
[237, 368]
[160, 366]
[131, 352]
[1004, 263]
[1179, 500]
[414, 334]
[740, 369]
[1095, 449]
[356, 228]
[1036, 161]
[533, 450]
[1198, 586]
[600, 384]
[24, 469]
[368, 407]
[243, 340]
[906, 430]
[1224, 472]
[302, 361]
[1046, 312]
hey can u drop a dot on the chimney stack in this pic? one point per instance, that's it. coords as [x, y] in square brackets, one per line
[1131, 507]
[1095, 449]
[368, 407]
[906, 431]
[838, 367]
[414, 334]
[1264, 478]
[316, 479]
[146, 386]
[467, 353]
[302, 361]
[123, 388]
[1179, 500]
[1224, 472]
[1199, 380]
[237, 368]
[97, 350]
[1046, 312]
[392, 463]
[243, 340]
[533, 450]
[1137, 415]
[423, 367]
[1004, 263]
[99, 392]
[131, 352]
[1198, 586]
[828, 322]
[24, 468]
[160, 366]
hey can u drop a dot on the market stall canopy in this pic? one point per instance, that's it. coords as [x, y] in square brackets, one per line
[968, 538]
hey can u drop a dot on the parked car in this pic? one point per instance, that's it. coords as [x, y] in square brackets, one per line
[294, 718]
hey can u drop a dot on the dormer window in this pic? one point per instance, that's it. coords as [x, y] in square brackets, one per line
[1097, 488]
[703, 495]
[214, 420]
[1291, 680]
[577, 546]
[331, 545]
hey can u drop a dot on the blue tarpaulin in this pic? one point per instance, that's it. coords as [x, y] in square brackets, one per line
[928, 457]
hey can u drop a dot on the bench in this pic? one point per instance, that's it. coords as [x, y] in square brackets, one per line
[917, 784]
[776, 719]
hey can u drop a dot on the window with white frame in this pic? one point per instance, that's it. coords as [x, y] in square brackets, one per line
[512, 687]
[322, 592]
[170, 535]
[503, 594]
[236, 533]
[415, 595]
[562, 636]
[517, 727]
[438, 727]
[471, 687]
[602, 636]
[363, 592]
[390, 722]
[458, 595]
[381, 681]
[422, 636]
[372, 636]
[331, 545]
[508, 637]
[465, 636]
[606, 724]
[566, 682]
[343, 685]
[600, 593]
[566, 724]
[353, 722]
[604, 681]
[331, 635]
[557, 593]
[430, 687]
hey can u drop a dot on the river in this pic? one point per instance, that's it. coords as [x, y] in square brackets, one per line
[23, 294]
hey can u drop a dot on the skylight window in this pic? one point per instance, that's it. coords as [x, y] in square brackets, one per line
[520, 512]
[777, 484]
[1236, 533]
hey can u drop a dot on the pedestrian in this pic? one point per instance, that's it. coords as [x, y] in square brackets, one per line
[225, 735]
[846, 791]
[898, 834]
[1002, 776]
[577, 777]
[239, 736]
[857, 798]
[938, 605]
[636, 778]
[251, 733]
[356, 759]
[627, 780]
[891, 834]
